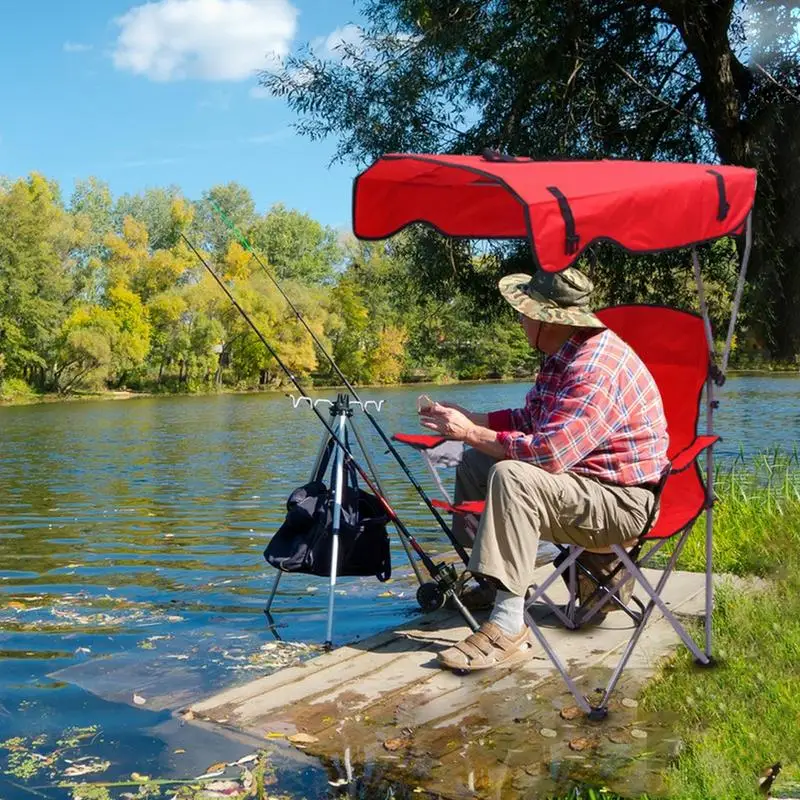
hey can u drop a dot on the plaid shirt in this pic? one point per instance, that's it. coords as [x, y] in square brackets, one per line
[594, 410]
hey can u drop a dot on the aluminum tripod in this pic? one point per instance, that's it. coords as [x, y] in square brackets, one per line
[342, 423]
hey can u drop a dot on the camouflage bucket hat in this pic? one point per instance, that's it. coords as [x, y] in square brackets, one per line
[558, 297]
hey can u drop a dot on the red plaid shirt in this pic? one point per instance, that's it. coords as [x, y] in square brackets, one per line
[594, 410]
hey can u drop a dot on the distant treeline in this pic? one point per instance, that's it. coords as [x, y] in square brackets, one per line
[102, 293]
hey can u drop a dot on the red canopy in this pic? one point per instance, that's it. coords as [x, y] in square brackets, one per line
[560, 206]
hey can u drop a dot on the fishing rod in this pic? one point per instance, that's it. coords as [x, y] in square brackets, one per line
[350, 388]
[443, 574]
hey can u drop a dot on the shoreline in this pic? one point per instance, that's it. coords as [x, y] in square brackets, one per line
[38, 399]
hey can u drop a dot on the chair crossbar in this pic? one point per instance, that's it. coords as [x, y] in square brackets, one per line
[655, 594]
[632, 564]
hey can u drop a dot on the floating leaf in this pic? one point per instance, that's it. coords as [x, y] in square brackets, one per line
[629, 702]
[87, 768]
[581, 743]
[548, 733]
[637, 733]
[302, 738]
[206, 775]
[223, 787]
[396, 744]
[139, 700]
[571, 712]
[274, 735]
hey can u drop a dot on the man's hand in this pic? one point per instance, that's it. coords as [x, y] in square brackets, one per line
[475, 417]
[447, 420]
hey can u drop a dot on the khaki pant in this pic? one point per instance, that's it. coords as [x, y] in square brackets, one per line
[525, 503]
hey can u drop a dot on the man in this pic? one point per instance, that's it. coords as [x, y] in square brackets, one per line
[577, 465]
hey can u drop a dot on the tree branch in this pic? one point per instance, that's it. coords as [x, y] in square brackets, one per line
[658, 97]
[777, 82]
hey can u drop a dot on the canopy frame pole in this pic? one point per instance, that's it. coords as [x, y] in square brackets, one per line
[737, 298]
[715, 376]
[701, 296]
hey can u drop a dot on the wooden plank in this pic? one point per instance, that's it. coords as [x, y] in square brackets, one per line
[402, 658]
[390, 687]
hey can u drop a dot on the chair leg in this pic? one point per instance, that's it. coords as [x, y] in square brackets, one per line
[539, 592]
[580, 699]
[656, 598]
[600, 711]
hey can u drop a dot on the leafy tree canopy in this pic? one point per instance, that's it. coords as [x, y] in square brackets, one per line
[697, 80]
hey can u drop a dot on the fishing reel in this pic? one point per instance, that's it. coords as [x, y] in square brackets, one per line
[432, 595]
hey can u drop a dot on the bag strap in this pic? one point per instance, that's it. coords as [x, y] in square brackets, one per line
[325, 461]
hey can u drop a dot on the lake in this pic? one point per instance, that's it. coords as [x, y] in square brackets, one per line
[135, 529]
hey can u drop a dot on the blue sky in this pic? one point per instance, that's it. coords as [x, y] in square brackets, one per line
[150, 94]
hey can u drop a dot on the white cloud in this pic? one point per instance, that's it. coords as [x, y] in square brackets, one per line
[215, 40]
[336, 41]
[332, 45]
[76, 47]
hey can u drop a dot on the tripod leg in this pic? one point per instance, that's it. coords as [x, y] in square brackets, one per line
[272, 593]
[335, 522]
[322, 448]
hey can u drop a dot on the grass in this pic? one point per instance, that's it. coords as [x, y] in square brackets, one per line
[756, 516]
[744, 715]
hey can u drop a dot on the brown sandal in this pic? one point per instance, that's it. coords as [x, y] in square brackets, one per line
[489, 646]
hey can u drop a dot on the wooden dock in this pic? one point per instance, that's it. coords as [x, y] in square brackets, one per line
[383, 705]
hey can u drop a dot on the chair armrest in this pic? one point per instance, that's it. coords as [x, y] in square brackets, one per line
[687, 456]
[420, 441]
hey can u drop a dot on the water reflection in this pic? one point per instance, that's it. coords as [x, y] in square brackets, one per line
[145, 521]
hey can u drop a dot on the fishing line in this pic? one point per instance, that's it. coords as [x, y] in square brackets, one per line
[429, 564]
[350, 388]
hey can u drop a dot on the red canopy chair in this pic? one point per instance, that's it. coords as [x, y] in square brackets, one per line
[562, 208]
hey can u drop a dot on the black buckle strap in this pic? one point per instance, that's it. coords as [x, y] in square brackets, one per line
[572, 238]
[724, 205]
[496, 155]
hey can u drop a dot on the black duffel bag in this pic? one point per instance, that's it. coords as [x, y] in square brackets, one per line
[304, 541]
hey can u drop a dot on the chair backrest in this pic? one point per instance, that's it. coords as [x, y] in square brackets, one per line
[673, 346]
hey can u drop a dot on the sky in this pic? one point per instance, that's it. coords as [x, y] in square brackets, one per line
[143, 94]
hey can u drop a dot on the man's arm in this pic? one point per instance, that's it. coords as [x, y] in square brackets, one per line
[475, 417]
[455, 424]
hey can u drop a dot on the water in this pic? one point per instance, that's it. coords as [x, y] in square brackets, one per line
[136, 529]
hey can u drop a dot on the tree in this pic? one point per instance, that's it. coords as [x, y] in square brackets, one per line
[91, 208]
[36, 241]
[236, 202]
[655, 79]
[161, 212]
[296, 245]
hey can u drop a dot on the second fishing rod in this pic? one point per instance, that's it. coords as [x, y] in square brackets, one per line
[350, 388]
[443, 574]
